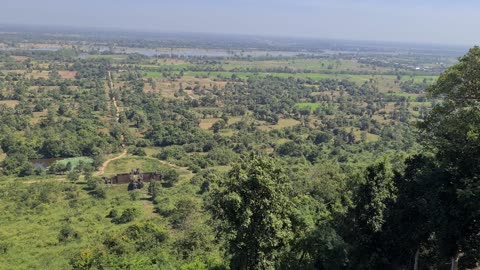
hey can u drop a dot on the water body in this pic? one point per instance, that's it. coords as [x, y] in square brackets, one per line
[185, 52]
[44, 163]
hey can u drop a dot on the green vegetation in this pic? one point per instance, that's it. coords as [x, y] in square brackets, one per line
[263, 162]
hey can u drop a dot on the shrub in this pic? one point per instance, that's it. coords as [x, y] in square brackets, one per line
[128, 215]
[100, 192]
[137, 151]
[92, 182]
[67, 233]
[134, 195]
[154, 189]
[73, 176]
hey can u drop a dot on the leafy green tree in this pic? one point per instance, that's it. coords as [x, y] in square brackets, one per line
[452, 131]
[184, 209]
[373, 199]
[254, 212]
[154, 189]
[73, 175]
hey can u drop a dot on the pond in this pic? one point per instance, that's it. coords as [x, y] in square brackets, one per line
[43, 163]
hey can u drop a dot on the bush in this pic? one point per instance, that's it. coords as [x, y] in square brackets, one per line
[73, 176]
[92, 182]
[154, 189]
[128, 215]
[137, 151]
[134, 195]
[67, 233]
[113, 213]
[100, 192]
[184, 209]
[174, 151]
[89, 258]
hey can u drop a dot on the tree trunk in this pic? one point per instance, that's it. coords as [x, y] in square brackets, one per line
[417, 254]
[454, 262]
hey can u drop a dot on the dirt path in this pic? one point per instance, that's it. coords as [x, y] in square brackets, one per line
[117, 110]
[102, 168]
[114, 101]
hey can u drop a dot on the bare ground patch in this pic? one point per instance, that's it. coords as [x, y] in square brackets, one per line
[65, 74]
[9, 103]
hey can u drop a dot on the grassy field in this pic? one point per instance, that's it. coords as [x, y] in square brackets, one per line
[31, 234]
[152, 150]
[208, 123]
[369, 138]
[127, 164]
[282, 123]
[154, 74]
[308, 105]
[9, 103]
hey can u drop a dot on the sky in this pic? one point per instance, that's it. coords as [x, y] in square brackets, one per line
[453, 22]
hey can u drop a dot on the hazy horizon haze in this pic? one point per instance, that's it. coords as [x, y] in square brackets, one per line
[437, 22]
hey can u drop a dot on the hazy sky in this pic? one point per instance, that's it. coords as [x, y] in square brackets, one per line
[427, 21]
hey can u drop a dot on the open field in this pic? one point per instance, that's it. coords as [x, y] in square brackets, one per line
[129, 163]
[208, 123]
[307, 105]
[86, 216]
[9, 103]
[282, 123]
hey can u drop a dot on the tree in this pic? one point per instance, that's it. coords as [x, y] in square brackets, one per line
[374, 197]
[254, 212]
[73, 175]
[452, 131]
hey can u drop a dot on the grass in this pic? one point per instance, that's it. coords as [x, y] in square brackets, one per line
[152, 150]
[22, 223]
[282, 123]
[403, 94]
[208, 123]
[415, 103]
[127, 164]
[308, 105]
[9, 103]
[370, 137]
[154, 74]
[227, 132]
[2, 156]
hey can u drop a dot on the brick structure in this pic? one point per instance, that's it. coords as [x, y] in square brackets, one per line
[135, 175]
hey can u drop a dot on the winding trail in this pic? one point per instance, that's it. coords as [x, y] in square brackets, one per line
[102, 168]
[117, 110]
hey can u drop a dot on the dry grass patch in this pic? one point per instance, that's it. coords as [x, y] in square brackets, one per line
[282, 123]
[37, 74]
[19, 58]
[207, 123]
[358, 135]
[234, 119]
[65, 74]
[9, 103]
[389, 108]
[38, 116]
